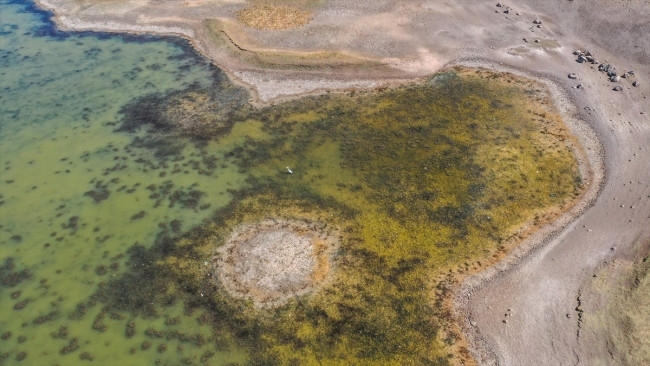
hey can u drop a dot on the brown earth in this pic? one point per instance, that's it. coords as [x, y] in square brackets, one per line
[365, 44]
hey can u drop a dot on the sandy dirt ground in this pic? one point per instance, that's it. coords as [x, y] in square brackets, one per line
[272, 261]
[531, 308]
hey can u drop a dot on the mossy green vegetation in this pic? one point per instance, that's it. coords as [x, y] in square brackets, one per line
[420, 181]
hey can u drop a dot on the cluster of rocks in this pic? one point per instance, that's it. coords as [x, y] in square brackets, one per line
[585, 56]
[506, 9]
[612, 74]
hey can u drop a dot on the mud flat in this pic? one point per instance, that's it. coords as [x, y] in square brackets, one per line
[522, 310]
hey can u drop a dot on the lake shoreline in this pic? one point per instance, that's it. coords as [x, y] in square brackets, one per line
[608, 124]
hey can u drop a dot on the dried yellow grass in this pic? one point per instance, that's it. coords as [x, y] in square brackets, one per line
[266, 16]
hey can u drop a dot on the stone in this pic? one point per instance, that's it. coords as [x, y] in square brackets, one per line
[581, 59]
[573, 76]
[537, 21]
[635, 83]
[499, 5]
[601, 67]
[579, 86]
[617, 88]
[577, 52]
[614, 78]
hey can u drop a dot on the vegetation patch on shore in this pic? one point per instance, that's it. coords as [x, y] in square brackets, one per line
[271, 16]
[421, 181]
[622, 325]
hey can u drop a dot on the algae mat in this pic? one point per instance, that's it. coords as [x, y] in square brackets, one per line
[128, 162]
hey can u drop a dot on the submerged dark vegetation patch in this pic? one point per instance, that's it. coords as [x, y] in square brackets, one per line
[420, 181]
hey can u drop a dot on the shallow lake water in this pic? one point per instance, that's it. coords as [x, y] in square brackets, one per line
[60, 94]
[126, 160]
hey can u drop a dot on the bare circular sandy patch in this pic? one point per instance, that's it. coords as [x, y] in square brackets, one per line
[272, 261]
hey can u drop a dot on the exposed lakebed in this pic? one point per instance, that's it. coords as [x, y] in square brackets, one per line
[129, 161]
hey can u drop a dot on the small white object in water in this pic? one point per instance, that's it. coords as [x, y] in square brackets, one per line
[289, 170]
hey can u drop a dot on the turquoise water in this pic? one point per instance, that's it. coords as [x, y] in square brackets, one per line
[75, 194]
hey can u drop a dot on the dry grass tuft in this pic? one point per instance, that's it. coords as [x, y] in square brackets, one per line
[266, 16]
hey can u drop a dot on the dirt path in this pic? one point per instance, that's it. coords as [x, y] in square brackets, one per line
[360, 44]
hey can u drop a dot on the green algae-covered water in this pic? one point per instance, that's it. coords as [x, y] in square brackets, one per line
[126, 161]
[75, 197]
